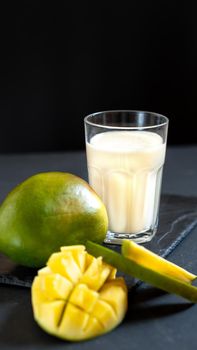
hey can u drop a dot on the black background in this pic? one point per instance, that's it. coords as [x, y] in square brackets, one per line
[60, 61]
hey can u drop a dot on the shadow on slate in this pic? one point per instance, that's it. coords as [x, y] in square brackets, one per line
[178, 216]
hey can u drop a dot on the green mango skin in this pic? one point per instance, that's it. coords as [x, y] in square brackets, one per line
[47, 211]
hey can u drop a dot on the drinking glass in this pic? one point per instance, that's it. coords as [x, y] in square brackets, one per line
[125, 156]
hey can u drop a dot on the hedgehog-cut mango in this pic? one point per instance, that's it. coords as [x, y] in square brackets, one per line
[77, 296]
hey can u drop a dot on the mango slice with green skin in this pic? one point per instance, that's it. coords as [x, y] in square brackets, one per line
[145, 257]
[77, 296]
[155, 278]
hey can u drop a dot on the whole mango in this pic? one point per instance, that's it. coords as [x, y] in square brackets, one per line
[46, 211]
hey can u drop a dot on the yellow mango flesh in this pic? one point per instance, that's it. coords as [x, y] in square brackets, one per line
[146, 258]
[77, 296]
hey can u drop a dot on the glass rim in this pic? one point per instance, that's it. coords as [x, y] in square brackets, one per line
[155, 114]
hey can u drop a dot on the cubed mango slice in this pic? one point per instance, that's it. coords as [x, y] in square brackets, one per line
[77, 296]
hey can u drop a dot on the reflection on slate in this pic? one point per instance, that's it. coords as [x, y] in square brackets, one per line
[178, 216]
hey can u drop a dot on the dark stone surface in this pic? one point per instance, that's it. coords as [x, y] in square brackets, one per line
[155, 320]
[178, 216]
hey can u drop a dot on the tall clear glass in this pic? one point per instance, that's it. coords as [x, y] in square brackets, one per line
[125, 156]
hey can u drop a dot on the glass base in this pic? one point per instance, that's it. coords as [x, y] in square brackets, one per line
[140, 237]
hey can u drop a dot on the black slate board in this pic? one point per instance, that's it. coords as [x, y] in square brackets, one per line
[178, 216]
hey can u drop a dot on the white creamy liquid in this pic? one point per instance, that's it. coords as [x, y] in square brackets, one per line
[125, 169]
